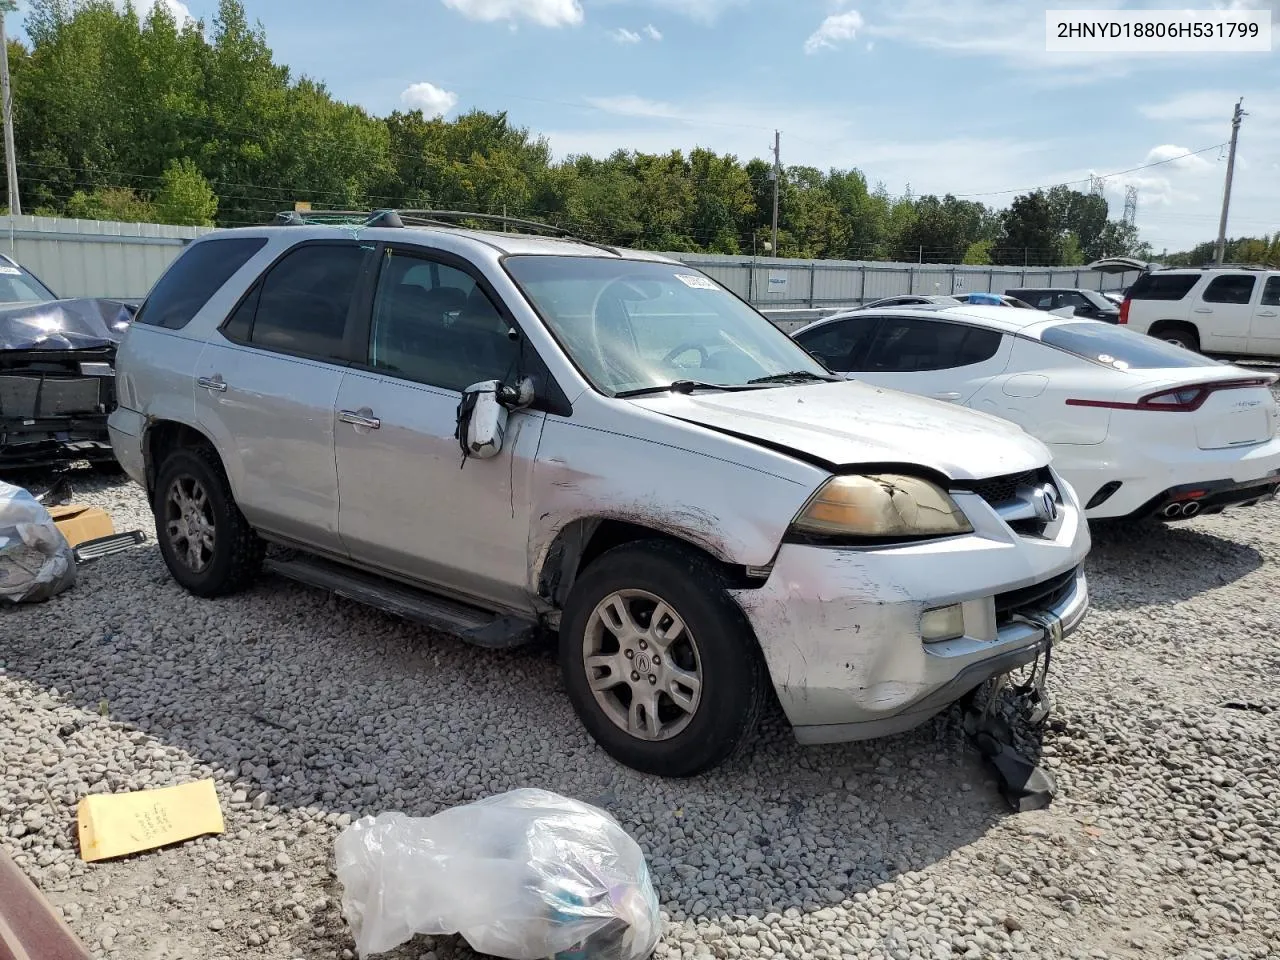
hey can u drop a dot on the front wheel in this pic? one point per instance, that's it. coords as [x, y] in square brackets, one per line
[206, 542]
[660, 663]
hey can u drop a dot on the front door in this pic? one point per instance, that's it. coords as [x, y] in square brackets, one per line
[934, 358]
[411, 504]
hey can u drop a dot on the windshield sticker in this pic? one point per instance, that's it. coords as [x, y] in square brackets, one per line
[696, 282]
[10, 271]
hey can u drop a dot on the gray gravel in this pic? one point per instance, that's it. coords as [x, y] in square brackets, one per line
[309, 711]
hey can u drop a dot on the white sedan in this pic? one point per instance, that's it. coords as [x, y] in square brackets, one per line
[1139, 427]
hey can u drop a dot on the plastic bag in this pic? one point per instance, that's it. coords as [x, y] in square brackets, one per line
[36, 562]
[524, 875]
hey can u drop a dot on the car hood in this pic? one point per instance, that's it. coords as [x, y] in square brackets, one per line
[851, 423]
[74, 324]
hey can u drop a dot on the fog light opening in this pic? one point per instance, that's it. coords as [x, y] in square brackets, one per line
[942, 623]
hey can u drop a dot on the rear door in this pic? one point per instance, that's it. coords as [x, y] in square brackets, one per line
[1225, 312]
[267, 383]
[935, 358]
[1264, 335]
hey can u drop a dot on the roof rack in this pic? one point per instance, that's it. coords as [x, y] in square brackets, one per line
[1236, 266]
[435, 218]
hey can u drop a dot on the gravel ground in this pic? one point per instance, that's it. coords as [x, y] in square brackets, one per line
[310, 711]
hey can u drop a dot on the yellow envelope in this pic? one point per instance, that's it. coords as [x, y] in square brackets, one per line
[112, 825]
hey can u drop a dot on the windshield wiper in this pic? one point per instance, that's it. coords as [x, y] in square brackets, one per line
[681, 386]
[795, 376]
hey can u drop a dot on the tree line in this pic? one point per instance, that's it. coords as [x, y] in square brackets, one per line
[144, 119]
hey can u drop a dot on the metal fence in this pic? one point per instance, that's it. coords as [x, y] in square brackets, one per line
[93, 258]
[812, 284]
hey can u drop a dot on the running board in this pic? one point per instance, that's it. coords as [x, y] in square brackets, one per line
[467, 623]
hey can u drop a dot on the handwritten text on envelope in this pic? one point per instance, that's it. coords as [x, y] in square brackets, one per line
[112, 825]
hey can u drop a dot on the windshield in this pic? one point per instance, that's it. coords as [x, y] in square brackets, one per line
[1098, 300]
[630, 325]
[19, 287]
[1119, 348]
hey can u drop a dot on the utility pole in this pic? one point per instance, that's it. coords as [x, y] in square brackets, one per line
[10, 161]
[777, 176]
[1221, 249]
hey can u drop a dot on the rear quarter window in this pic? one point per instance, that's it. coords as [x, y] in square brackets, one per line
[197, 274]
[1118, 348]
[1155, 286]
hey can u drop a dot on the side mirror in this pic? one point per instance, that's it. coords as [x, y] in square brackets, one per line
[483, 412]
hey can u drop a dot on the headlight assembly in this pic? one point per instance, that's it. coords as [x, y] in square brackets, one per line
[880, 507]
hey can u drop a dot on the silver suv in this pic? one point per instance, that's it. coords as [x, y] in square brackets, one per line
[504, 435]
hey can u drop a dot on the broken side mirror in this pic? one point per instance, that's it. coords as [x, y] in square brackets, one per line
[483, 412]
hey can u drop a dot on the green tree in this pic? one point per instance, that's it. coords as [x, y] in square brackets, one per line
[978, 253]
[111, 203]
[185, 196]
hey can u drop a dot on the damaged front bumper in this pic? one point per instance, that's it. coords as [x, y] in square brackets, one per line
[841, 629]
[54, 406]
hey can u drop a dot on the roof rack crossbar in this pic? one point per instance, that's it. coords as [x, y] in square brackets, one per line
[434, 218]
[1236, 266]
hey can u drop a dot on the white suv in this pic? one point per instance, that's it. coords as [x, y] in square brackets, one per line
[497, 434]
[1232, 311]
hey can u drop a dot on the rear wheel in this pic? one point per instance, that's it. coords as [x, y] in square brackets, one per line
[660, 663]
[206, 542]
[1180, 334]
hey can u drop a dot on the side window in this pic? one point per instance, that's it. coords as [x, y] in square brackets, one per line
[840, 345]
[197, 274]
[1073, 299]
[1271, 292]
[433, 323]
[1230, 288]
[910, 345]
[1156, 286]
[304, 301]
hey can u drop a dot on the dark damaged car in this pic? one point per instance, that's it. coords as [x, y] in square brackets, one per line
[57, 372]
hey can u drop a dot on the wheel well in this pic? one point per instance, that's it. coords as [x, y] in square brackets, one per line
[1164, 326]
[163, 437]
[582, 541]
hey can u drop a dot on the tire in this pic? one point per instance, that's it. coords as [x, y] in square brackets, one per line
[1180, 334]
[716, 644]
[231, 556]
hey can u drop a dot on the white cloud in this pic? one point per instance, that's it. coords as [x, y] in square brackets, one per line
[701, 11]
[430, 99]
[629, 105]
[1177, 158]
[545, 13]
[837, 28]
[623, 35]
[652, 33]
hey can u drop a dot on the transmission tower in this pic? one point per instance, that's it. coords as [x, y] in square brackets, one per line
[1097, 186]
[1130, 205]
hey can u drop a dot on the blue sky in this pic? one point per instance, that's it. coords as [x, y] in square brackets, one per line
[952, 96]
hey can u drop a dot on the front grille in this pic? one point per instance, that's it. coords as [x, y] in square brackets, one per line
[998, 491]
[1036, 598]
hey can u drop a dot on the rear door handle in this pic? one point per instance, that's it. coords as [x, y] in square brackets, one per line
[215, 383]
[1203, 310]
[359, 419]
[947, 396]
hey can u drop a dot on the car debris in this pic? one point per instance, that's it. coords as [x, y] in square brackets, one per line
[116, 824]
[36, 562]
[29, 927]
[524, 875]
[57, 380]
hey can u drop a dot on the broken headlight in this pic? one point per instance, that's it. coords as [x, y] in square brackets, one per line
[880, 507]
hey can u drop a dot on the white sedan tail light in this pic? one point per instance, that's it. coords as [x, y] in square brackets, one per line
[1177, 399]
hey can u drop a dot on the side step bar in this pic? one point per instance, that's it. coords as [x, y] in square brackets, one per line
[467, 623]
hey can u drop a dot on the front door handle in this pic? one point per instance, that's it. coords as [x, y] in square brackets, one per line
[215, 383]
[951, 397]
[1266, 313]
[359, 419]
